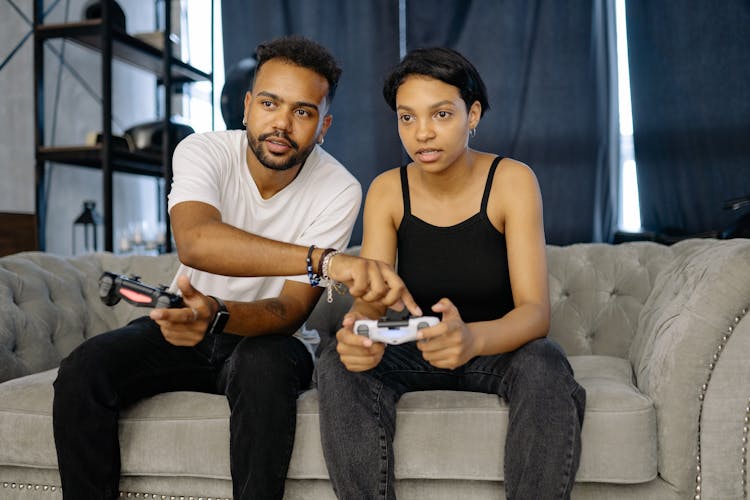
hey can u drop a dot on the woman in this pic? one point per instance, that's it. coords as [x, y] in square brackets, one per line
[468, 230]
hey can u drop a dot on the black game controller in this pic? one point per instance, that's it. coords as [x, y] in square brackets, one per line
[113, 287]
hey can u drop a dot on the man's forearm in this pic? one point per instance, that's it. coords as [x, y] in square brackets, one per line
[275, 316]
[219, 248]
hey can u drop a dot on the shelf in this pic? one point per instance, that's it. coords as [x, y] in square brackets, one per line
[124, 48]
[110, 43]
[91, 157]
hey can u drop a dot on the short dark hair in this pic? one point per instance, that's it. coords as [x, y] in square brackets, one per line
[442, 64]
[302, 52]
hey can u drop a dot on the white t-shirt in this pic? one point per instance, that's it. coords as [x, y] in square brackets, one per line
[318, 207]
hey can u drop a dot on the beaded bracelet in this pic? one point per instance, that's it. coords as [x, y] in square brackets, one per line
[313, 277]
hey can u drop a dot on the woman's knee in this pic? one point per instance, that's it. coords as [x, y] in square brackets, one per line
[542, 361]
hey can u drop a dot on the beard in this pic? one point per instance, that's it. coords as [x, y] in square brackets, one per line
[271, 161]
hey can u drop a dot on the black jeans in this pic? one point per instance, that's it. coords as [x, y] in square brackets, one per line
[546, 407]
[261, 377]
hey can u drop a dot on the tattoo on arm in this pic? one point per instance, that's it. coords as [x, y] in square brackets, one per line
[277, 308]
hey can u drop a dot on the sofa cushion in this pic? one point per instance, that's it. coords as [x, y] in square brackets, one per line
[187, 434]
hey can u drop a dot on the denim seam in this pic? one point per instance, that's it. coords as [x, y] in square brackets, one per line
[290, 441]
[383, 439]
[566, 477]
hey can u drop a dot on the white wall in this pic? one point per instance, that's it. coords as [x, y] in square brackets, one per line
[78, 112]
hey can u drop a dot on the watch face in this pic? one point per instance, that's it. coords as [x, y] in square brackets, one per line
[219, 322]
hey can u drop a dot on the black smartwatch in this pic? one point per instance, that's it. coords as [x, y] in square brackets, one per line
[220, 319]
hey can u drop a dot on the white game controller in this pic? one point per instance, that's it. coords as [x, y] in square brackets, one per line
[393, 332]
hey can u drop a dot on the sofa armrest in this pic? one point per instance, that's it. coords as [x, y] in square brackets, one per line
[683, 336]
[725, 415]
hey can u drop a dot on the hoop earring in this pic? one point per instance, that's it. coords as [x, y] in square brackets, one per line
[244, 121]
[321, 141]
[473, 132]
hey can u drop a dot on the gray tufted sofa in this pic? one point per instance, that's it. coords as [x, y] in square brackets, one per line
[659, 337]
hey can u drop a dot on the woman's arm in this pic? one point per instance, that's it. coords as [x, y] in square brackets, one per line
[382, 214]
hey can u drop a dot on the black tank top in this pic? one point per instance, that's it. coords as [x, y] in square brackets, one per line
[467, 262]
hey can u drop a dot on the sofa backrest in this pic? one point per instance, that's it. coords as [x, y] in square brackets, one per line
[49, 304]
[597, 292]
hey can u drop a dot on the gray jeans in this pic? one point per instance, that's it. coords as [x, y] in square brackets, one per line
[546, 407]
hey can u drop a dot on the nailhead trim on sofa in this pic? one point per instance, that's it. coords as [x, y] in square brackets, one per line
[701, 397]
[123, 494]
[37, 487]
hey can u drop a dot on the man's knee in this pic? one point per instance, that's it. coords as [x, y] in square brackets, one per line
[263, 361]
[78, 368]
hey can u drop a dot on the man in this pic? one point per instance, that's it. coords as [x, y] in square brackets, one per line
[247, 209]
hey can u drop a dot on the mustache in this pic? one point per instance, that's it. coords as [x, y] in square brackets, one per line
[281, 135]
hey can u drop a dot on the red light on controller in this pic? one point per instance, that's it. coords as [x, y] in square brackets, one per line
[135, 296]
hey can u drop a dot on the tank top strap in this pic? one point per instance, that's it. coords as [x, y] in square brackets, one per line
[405, 191]
[488, 186]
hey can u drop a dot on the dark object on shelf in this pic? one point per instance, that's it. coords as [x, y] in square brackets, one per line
[118, 142]
[93, 10]
[85, 228]
[239, 79]
[741, 227]
[148, 137]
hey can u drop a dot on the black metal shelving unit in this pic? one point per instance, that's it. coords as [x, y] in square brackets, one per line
[111, 43]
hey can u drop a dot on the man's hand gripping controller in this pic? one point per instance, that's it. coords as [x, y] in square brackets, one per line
[113, 287]
[393, 332]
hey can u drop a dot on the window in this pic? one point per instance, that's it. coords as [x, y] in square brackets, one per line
[196, 104]
[629, 218]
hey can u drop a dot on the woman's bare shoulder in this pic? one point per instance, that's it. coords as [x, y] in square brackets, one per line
[386, 184]
[514, 175]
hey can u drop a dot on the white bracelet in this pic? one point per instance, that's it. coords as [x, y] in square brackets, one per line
[329, 282]
[326, 266]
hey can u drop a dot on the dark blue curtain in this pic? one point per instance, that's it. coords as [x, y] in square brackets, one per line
[545, 63]
[363, 35]
[546, 67]
[690, 85]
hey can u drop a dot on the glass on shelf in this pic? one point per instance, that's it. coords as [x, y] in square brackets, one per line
[142, 238]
